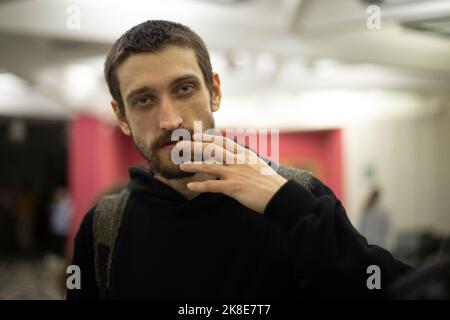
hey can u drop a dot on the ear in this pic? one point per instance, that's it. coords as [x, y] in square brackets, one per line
[121, 119]
[216, 93]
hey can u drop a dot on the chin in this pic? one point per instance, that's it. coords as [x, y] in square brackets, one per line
[171, 173]
[165, 168]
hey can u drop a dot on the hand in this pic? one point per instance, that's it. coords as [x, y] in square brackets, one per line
[242, 179]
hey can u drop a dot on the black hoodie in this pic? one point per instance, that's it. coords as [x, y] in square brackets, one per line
[213, 247]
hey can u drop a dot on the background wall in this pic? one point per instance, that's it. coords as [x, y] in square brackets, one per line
[411, 160]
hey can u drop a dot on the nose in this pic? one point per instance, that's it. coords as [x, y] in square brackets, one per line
[169, 118]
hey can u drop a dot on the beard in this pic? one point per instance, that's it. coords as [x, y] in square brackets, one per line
[159, 157]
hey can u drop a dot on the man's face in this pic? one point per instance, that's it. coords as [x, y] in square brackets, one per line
[164, 91]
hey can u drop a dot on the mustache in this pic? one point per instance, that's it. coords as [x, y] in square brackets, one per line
[166, 137]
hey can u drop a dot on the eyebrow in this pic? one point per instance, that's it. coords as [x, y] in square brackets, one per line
[173, 83]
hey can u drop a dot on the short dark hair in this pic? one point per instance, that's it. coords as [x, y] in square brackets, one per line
[150, 36]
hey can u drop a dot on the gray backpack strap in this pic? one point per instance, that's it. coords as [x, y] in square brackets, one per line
[107, 220]
[300, 176]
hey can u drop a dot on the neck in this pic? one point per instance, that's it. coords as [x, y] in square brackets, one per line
[180, 185]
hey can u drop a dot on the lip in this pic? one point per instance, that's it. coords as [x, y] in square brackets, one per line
[169, 146]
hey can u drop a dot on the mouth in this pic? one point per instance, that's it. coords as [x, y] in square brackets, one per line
[169, 145]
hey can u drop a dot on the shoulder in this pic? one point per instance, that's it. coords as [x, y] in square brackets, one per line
[320, 189]
[306, 180]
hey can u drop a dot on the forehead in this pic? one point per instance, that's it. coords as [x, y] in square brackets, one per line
[156, 69]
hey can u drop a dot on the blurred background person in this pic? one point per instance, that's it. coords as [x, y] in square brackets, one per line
[60, 214]
[25, 218]
[374, 221]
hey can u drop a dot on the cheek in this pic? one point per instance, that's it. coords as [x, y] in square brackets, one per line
[198, 110]
[142, 129]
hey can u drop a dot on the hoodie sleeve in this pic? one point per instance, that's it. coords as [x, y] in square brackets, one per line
[83, 257]
[330, 258]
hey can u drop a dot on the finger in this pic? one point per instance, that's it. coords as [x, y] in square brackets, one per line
[221, 141]
[204, 151]
[208, 186]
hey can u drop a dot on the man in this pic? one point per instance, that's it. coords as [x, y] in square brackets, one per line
[208, 230]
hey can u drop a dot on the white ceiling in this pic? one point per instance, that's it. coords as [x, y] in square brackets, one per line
[280, 49]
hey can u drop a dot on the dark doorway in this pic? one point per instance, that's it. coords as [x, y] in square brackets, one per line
[33, 163]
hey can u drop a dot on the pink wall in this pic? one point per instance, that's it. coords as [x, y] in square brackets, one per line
[99, 157]
[318, 151]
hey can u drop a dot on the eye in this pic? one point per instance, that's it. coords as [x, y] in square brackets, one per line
[185, 89]
[143, 101]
